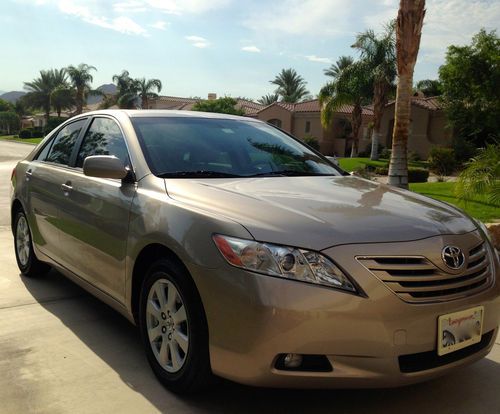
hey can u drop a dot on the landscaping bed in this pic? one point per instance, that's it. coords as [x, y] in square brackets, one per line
[17, 139]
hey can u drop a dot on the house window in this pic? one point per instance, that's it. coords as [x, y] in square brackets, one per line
[275, 122]
[308, 126]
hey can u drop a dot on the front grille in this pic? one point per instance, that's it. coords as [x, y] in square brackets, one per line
[416, 279]
[430, 359]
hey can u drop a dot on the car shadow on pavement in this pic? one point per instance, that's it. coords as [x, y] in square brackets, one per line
[117, 343]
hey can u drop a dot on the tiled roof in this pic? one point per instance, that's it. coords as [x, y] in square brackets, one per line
[314, 106]
[178, 99]
[431, 103]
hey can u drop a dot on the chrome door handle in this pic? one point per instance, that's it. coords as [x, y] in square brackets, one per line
[66, 188]
[28, 174]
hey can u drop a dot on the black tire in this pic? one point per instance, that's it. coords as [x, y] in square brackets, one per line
[30, 266]
[195, 373]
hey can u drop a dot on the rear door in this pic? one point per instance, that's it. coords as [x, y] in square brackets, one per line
[44, 176]
[95, 212]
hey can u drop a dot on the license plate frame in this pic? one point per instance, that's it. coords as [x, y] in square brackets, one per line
[458, 330]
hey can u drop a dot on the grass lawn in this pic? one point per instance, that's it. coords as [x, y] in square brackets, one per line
[477, 207]
[25, 140]
[351, 164]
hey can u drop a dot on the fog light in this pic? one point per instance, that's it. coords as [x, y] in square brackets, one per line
[292, 360]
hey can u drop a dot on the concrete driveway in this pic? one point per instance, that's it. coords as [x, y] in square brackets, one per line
[63, 351]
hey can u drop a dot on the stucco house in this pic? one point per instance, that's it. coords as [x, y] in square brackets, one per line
[304, 119]
[427, 126]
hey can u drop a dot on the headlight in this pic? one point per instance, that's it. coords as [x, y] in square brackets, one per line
[282, 261]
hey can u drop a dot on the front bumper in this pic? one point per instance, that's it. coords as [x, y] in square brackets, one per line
[253, 318]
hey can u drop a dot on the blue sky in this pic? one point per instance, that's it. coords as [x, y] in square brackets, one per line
[231, 47]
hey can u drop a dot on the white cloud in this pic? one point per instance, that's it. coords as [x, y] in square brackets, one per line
[252, 49]
[314, 58]
[169, 6]
[451, 22]
[303, 17]
[80, 9]
[198, 41]
[160, 25]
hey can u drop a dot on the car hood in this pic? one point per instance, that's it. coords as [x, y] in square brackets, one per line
[320, 212]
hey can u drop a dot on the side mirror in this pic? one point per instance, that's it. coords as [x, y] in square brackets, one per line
[104, 166]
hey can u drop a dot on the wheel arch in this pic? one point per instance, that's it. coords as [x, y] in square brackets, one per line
[15, 207]
[145, 258]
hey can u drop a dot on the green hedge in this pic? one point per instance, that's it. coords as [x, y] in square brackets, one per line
[415, 175]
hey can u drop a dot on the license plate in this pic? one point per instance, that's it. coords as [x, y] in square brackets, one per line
[458, 330]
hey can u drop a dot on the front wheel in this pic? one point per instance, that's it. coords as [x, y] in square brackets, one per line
[26, 259]
[174, 329]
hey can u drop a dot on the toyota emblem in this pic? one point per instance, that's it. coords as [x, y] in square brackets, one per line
[453, 257]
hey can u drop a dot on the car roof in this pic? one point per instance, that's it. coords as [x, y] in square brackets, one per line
[141, 113]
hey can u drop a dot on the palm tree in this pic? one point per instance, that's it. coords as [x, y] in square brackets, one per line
[352, 86]
[127, 90]
[409, 30]
[41, 88]
[81, 80]
[379, 53]
[145, 90]
[269, 99]
[62, 98]
[290, 85]
[336, 68]
[481, 176]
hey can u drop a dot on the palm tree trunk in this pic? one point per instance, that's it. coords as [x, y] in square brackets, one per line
[379, 101]
[356, 121]
[79, 100]
[145, 102]
[398, 167]
[409, 29]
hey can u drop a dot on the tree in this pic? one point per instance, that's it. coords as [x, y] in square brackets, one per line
[378, 51]
[336, 68]
[41, 88]
[224, 105]
[62, 98]
[290, 86]
[408, 32]
[9, 121]
[481, 176]
[429, 87]
[127, 90]
[5, 106]
[352, 85]
[269, 99]
[145, 90]
[470, 80]
[81, 79]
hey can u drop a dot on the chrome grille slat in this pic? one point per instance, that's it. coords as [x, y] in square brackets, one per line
[447, 286]
[416, 279]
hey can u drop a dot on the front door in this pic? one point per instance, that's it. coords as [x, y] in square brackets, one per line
[95, 214]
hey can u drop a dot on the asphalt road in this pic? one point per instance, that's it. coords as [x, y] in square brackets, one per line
[63, 351]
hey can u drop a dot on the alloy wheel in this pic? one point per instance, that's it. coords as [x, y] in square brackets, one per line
[23, 241]
[167, 325]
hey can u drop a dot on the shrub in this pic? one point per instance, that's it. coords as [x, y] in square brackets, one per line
[386, 154]
[417, 175]
[464, 149]
[442, 160]
[413, 157]
[312, 142]
[36, 133]
[381, 170]
[25, 133]
[54, 122]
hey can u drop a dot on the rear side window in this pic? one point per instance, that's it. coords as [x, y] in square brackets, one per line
[104, 137]
[63, 143]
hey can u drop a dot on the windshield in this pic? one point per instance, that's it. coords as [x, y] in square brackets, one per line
[188, 147]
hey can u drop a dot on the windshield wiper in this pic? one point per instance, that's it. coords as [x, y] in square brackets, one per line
[197, 174]
[288, 173]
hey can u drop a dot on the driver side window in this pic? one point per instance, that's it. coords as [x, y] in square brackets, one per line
[104, 137]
